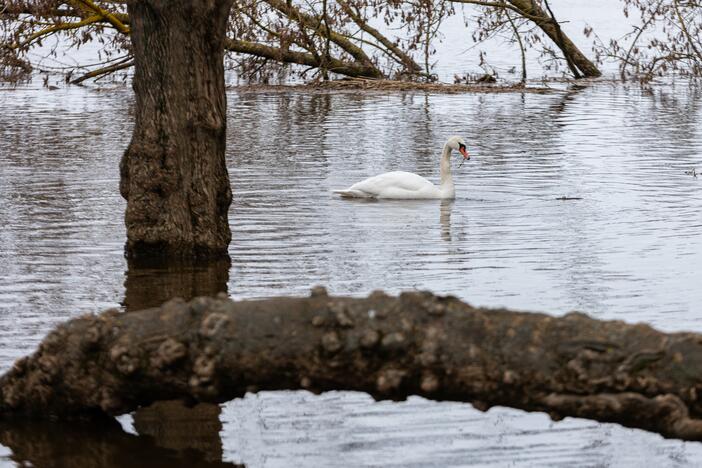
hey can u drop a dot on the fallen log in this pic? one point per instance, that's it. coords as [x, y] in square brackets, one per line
[215, 349]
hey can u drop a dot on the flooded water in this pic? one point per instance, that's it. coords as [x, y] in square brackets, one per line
[628, 246]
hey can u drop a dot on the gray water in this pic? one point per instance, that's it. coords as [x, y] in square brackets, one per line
[628, 248]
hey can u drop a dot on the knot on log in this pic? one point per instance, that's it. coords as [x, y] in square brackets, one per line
[122, 356]
[204, 368]
[92, 337]
[49, 365]
[429, 350]
[11, 396]
[394, 342]
[331, 343]
[318, 291]
[170, 352]
[509, 377]
[369, 339]
[438, 306]
[389, 380]
[213, 324]
[341, 314]
[430, 383]
[202, 382]
[19, 368]
[318, 321]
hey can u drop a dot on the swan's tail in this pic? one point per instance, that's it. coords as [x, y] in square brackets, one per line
[350, 193]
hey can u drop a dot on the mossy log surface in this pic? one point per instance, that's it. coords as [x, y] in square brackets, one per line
[215, 349]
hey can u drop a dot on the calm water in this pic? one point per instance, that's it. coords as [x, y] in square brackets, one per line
[630, 248]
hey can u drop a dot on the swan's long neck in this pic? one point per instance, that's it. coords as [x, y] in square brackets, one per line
[446, 178]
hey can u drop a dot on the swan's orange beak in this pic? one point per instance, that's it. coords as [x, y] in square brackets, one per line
[463, 151]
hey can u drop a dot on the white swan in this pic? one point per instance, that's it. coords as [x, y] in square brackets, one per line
[409, 186]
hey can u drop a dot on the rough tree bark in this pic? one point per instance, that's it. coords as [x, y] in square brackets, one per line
[417, 344]
[173, 174]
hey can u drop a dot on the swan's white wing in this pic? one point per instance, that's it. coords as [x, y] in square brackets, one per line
[397, 182]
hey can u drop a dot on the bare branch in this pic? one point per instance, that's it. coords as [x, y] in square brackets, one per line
[104, 71]
[289, 56]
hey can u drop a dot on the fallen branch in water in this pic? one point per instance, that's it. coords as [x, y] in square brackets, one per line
[417, 344]
[370, 84]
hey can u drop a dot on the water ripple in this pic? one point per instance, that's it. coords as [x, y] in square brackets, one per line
[629, 247]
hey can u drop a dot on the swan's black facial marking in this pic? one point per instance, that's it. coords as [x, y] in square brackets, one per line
[463, 150]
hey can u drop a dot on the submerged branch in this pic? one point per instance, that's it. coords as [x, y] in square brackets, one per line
[390, 347]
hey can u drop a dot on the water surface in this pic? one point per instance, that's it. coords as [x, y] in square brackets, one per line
[628, 248]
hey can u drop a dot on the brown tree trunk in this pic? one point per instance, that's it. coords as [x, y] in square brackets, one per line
[173, 174]
[417, 344]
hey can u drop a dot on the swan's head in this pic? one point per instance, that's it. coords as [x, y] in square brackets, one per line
[459, 144]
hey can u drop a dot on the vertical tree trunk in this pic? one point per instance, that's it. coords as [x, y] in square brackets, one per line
[173, 174]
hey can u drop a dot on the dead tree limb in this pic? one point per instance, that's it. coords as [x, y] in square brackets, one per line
[417, 344]
[279, 54]
[575, 58]
[313, 23]
[108, 16]
[394, 51]
[104, 71]
[560, 41]
[531, 10]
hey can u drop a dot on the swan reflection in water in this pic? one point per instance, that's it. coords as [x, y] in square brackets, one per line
[445, 219]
